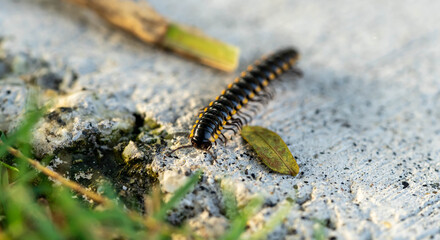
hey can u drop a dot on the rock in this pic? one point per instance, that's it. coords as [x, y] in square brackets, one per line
[208, 227]
[3, 69]
[170, 181]
[13, 95]
[131, 152]
[80, 119]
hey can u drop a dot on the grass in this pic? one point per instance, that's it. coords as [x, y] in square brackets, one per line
[240, 217]
[33, 207]
[319, 230]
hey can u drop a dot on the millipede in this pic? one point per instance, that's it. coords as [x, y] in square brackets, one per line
[226, 111]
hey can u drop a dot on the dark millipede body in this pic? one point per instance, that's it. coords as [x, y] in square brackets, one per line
[224, 113]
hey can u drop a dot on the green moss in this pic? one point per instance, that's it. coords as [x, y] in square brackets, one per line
[151, 173]
[151, 124]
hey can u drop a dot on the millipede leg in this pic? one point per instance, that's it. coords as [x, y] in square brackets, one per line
[181, 147]
[234, 125]
[242, 118]
[254, 108]
[297, 71]
[268, 96]
[214, 157]
[180, 134]
[271, 93]
[231, 129]
[261, 99]
[256, 100]
[237, 121]
[224, 137]
[245, 116]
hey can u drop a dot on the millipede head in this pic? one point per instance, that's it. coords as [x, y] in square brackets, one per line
[201, 144]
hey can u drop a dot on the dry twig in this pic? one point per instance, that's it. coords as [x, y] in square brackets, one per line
[139, 19]
[55, 176]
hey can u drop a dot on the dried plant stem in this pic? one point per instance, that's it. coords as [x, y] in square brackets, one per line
[140, 20]
[55, 176]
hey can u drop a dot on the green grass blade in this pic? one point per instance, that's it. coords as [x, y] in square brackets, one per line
[4, 179]
[9, 166]
[273, 222]
[178, 195]
[319, 230]
[230, 203]
[23, 133]
[21, 208]
[238, 225]
[3, 149]
[81, 224]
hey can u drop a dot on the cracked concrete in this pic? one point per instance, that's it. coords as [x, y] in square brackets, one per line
[363, 122]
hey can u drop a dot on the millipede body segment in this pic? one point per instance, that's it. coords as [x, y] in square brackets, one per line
[225, 112]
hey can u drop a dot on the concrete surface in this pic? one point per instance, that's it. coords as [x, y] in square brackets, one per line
[363, 122]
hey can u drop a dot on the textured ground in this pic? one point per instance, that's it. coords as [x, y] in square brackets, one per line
[363, 122]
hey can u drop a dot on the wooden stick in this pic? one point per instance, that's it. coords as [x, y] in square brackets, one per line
[137, 18]
[55, 176]
[140, 19]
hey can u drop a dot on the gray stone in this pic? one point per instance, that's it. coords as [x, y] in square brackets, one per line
[13, 96]
[132, 152]
[80, 119]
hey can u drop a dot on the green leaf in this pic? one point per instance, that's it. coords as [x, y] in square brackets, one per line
[271, 149]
